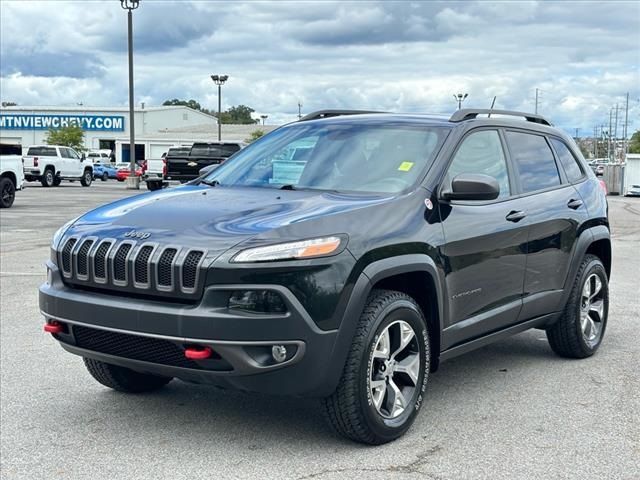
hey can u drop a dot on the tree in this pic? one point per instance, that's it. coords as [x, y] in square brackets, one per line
[188, 103]
[70, 136]
[9, 104]
[240, 115]
[634, 143]
[256, 134]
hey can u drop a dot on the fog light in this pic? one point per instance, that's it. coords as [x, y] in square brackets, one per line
[257, 301]
[49, 276]
[279, 353]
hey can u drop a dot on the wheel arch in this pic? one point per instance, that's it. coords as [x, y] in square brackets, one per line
[396, 273]
[11, 176]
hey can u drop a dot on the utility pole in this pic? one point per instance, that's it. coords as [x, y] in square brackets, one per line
[299, 110]
[609, 135]
[536, 101]
[577, 134]
[595, 141]
[626, 124]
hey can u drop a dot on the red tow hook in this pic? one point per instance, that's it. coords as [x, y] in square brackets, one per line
[53, 327]
[198, 353]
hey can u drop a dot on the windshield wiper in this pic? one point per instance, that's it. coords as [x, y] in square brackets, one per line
[211, 183]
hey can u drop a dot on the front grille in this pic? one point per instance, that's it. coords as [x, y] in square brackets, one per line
[165, 267]
[83, 263]
[128, 266]
[120, 262]
[100, 260]
[135, 347]
[66, 255]
[141, 270]
[190, 269]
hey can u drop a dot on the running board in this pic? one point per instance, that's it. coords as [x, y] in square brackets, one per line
[495, 336]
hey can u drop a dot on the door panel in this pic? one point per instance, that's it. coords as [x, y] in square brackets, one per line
[484, 257]
[553, 228]
[485, 245]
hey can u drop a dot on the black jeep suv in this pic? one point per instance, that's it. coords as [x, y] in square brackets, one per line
[342, 256]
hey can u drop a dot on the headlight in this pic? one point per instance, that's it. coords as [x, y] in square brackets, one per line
[317, 247]
[60, 233]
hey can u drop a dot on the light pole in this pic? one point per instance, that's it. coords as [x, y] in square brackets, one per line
[460, 98]
[264, 117]
[133, 182]
[299, 110]
[219, 81]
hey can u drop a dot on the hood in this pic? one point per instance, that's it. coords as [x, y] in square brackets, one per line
[216, 218]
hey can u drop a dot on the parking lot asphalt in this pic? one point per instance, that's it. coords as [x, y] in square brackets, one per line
[511, 410]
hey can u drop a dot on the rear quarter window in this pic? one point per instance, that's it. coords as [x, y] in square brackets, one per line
[570, 163]
[533, 161]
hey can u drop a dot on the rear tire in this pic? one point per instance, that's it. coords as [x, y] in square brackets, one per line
[105, 177]
[383, 383]
[48, 178]
[579, 332]
[154, 186]
[123, 379]
[87, 178]
[7, 193]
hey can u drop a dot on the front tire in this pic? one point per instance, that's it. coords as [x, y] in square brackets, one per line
[7, 193]
[123, 379]
[385, 376]
[154, 186]
[105, 177]
[87, 178]
[579, 332]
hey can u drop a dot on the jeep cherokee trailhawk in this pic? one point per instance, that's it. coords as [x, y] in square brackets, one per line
[342, 256]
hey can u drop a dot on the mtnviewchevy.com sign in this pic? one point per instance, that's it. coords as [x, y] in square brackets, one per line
[105, 123]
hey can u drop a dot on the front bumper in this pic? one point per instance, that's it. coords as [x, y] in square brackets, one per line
[241, 342]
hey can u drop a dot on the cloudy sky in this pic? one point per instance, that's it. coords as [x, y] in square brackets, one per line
[399, 56]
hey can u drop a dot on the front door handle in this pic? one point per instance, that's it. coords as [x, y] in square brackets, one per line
[516, 215]
[574, 203]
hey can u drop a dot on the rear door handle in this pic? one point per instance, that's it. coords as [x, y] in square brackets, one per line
[574, 203]
[516, 215]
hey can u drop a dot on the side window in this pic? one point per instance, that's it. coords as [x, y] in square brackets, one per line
[64, 152]
[533, 160]
[73, 154]
[569, 162]
[481, 152]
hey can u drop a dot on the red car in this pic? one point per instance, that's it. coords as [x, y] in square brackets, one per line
[124, 170]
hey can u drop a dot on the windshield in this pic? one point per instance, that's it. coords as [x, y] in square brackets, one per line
[339, 156]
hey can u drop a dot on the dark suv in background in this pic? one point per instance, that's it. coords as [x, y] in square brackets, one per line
[346, 272]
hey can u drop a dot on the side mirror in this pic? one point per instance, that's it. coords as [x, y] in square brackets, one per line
[472, 186]
[82, 157]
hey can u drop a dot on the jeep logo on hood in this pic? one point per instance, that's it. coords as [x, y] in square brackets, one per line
[138, 235]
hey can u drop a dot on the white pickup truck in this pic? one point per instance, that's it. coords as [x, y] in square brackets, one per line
[50, 164]
[11, 178]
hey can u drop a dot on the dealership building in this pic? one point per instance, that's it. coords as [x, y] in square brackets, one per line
[156, 128]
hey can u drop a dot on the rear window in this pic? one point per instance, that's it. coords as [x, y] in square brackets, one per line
[568, 161]
[8, 149]
[42, 152]
[533, 160]
[178, 152]
[214, 150]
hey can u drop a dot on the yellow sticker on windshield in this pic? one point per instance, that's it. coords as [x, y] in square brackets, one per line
[405, 166]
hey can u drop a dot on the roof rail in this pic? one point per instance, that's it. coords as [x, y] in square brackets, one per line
[471, 113]
[333, 113]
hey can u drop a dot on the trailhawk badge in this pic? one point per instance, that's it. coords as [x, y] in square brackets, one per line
[138, 235]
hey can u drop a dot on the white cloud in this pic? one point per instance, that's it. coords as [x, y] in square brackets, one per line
[375, 55]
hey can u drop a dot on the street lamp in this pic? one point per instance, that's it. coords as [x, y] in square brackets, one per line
[219, 81]
[460, 98]
[133, 182]
[264, 117]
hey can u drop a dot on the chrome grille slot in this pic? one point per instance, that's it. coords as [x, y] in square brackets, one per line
[100, 262]
[66, 256]
[120, 264]
[82, 260]
[165, 269]
[141, 266]
[190, 269]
